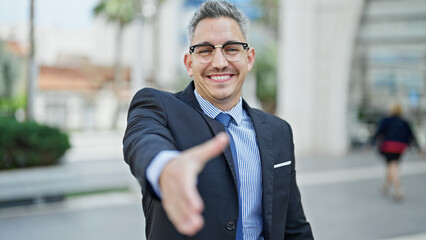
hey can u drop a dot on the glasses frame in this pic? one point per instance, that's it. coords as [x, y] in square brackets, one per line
[192, 49]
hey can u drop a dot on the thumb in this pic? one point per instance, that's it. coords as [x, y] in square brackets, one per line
[210, 149]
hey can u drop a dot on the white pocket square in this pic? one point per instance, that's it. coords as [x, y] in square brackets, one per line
[282, 164]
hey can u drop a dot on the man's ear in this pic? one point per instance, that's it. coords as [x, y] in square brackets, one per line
[250, 58]
[187, 60]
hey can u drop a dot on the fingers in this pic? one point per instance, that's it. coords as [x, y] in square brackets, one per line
[180, 197]
[210, 149]
[184, 215]
[178, 183]
[192, 221]
[191, 226]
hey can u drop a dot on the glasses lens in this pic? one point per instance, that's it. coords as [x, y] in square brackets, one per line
[233, 51]
[204, 53]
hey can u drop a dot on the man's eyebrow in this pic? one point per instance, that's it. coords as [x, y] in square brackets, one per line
[204, 43]
[209, 43]
[230, 41]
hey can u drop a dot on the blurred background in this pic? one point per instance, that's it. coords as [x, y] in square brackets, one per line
[332, 68]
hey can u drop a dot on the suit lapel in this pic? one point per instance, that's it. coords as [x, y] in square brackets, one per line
[188, 97]
[264, 142]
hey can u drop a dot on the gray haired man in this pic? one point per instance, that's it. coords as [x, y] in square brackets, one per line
[210, 166]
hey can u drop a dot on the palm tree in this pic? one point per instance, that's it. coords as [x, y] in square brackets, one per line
[122, 13]
[31, 69]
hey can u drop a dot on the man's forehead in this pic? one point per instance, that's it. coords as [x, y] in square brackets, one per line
[209, 29]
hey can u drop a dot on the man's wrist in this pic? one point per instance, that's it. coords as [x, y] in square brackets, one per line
[155, 168]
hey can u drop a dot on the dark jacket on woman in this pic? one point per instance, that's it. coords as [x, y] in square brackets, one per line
[396, 130]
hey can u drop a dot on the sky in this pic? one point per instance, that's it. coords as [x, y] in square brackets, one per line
[66, 14]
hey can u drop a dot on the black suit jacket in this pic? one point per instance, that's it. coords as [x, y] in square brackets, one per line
[160, 120]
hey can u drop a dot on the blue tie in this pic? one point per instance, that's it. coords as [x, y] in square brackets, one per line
[225, 119]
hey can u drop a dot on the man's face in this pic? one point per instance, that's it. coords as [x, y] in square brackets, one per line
[219, 81]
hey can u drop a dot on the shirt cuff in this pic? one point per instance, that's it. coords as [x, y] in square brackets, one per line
[155, 168]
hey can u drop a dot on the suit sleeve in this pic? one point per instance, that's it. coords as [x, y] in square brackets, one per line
[146, 134]
[297, 227]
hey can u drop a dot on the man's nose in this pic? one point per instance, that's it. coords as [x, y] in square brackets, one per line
[219, 60]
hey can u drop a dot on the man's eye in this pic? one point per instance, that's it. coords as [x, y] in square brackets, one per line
[204, 50]
[233, 48]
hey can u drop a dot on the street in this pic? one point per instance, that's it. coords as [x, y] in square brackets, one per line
[341, 196]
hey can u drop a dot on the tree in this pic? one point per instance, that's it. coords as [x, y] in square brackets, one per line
[265, 71]
[9, 74]
[265, 68]
[270, 15]
[122, 13]
[31, 69]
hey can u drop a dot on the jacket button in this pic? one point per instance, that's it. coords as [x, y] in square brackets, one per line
[230, 225]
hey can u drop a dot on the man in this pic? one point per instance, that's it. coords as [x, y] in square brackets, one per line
[194, 185]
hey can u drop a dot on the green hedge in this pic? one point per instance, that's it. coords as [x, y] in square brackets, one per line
[30, 144]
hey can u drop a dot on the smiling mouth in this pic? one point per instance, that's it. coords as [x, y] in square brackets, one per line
[221, 78]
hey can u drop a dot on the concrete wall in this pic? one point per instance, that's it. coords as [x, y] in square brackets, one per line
[316, 44]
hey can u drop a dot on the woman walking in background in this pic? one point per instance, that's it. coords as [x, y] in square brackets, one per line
[395, 135]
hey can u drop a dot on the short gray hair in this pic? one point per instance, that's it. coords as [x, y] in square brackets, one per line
[216, 9]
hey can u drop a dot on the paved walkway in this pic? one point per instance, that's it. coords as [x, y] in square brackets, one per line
[341, 197]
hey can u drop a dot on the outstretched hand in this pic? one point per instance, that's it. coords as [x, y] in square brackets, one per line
[178, 184]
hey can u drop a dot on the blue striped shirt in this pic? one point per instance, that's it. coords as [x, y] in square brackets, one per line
[242, 130]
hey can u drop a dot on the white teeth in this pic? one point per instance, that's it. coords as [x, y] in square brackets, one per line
[220, 77]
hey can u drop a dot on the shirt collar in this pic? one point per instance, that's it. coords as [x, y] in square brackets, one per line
[212, 111]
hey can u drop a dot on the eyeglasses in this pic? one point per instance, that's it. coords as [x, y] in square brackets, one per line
[205, 52]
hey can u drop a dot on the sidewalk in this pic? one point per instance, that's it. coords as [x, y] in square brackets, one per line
[93, 164]
[341, 197]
